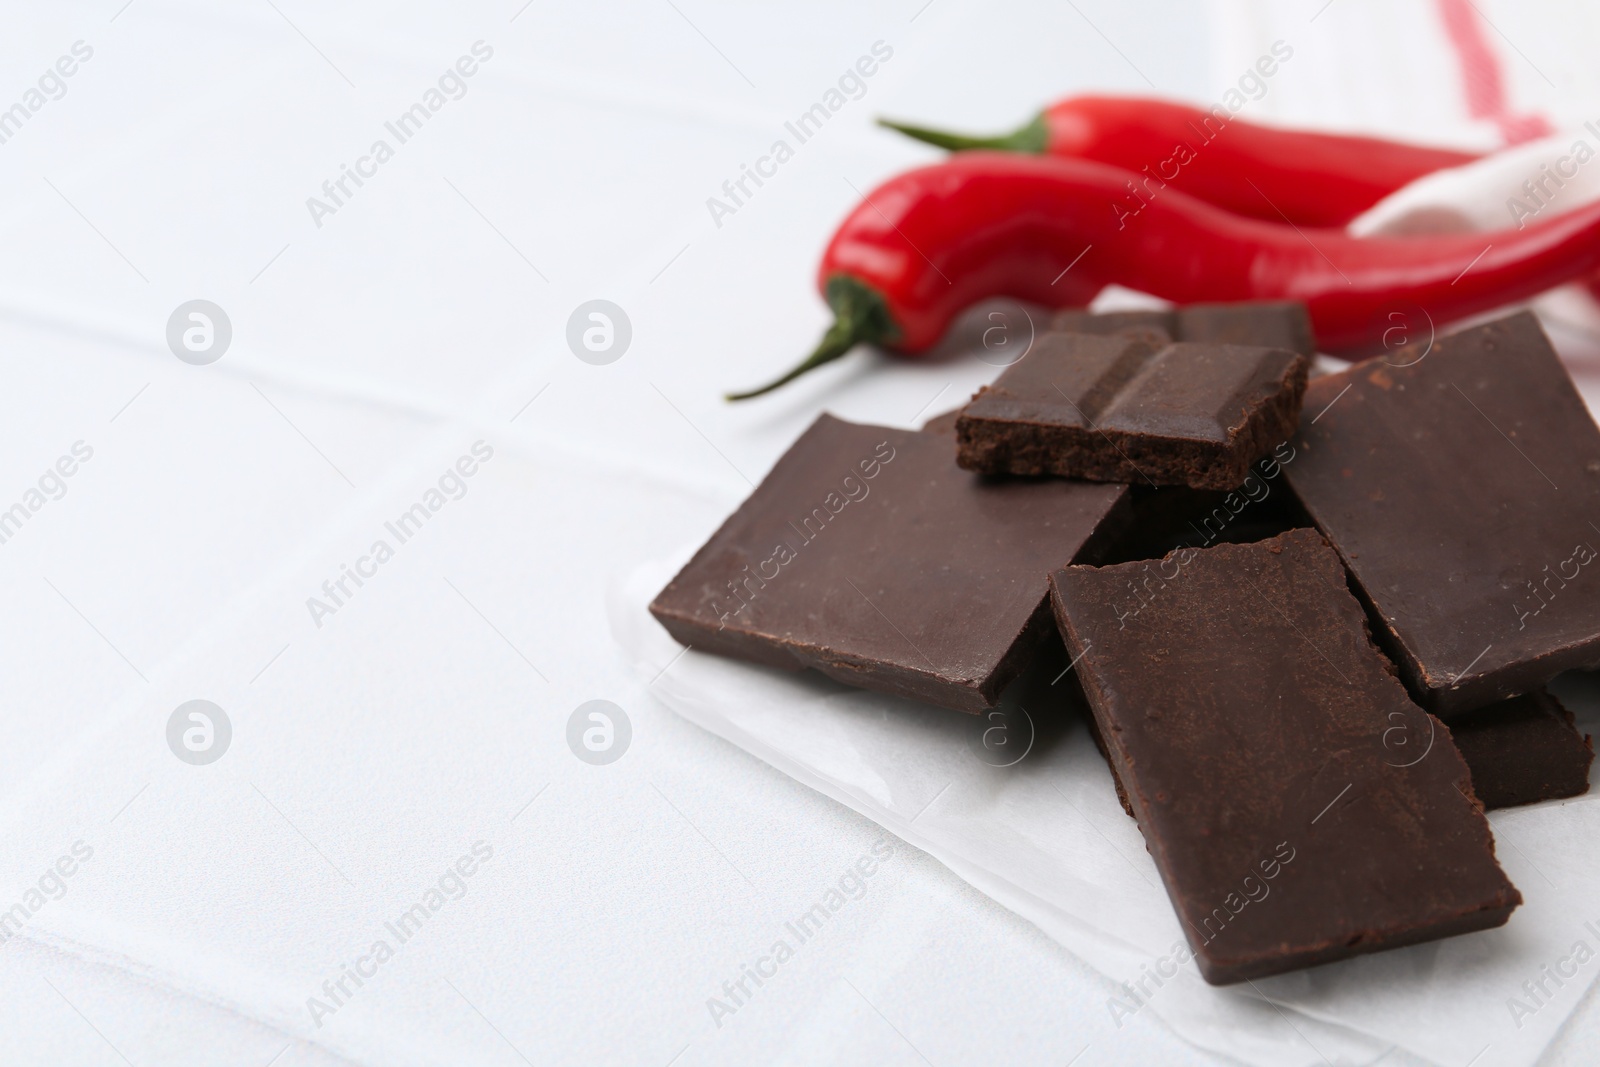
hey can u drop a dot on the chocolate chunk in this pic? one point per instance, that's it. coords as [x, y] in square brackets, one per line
[1271, 324]
[1462, 489]
[867, 554]
[1267, 751]
[1118, 409]
[1523, 750]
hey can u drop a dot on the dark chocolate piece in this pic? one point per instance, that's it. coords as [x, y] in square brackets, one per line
[1271, 758]
[1463, 491]
[1118, 409]
[1271, 324]
[867, 554]
[1523, 750]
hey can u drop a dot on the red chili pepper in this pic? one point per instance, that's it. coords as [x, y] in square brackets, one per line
[1310, 179]
[928, 243]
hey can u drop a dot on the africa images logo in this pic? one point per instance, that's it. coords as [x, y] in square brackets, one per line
[599, 732]
[199, 332]
[199, 732]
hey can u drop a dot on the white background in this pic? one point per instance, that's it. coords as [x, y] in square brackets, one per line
[372, 351]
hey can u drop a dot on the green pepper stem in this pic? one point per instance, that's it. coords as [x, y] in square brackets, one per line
[860, 315]
[841, 337]
[1031, 139]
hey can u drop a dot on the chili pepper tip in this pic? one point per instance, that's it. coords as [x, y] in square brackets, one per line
[1031, 139]
[860, 315]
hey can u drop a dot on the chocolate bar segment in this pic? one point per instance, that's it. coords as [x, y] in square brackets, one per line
[1462, 487]
[1271, 759]
[867, 554]
[1523, 750]
[1270, 324]
[1120, 409]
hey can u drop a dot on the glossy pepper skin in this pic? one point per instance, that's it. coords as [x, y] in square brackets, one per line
[1266, 172]
[929, 243]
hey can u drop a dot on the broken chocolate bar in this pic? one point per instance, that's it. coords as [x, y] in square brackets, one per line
[1523, 750]
[1270, 324]
[1121, 409]
[1462, 487]
[870, 556]
[1285, 783]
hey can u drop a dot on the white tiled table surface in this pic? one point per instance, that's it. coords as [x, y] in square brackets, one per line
[428, 312]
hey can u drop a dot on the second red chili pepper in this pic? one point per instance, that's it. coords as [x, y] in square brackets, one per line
[929, 243]
[1310, 179]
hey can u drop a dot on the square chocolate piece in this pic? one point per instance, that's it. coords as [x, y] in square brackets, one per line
[1462, 487]
[1268, 323]
[1121, 409]
[867, 554]
[1299, 806]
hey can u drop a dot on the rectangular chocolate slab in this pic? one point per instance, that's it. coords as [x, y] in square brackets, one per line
[1270, 757]
[1461, 485]
[1268, 323]
[867, 554]
[1523, 750]
[1121, 409]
